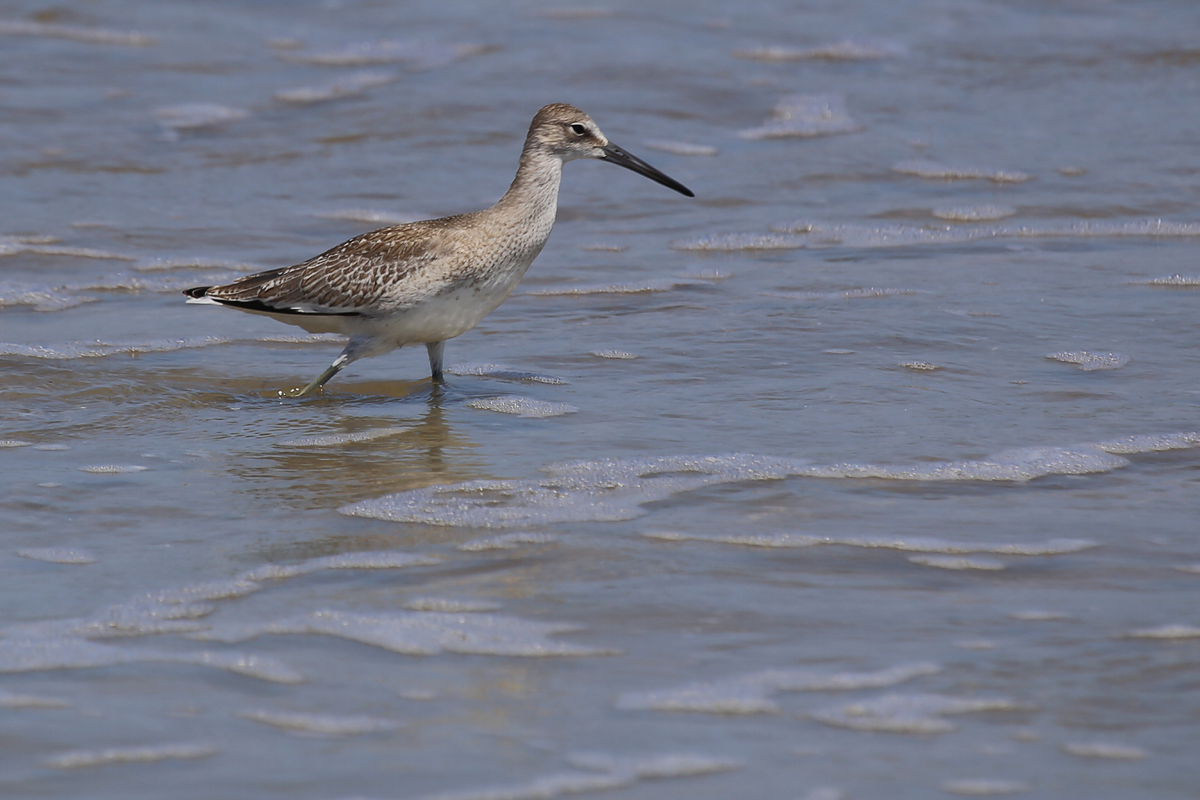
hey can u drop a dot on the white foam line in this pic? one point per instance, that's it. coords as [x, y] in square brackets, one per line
[1170, 631]
[319, 724]
[68, 643]
[190, 264]
[915, 544]
[751, 693]
[54, 651]
[681, 148]
[506, 541]
[619, 355]
[420, 54]
[869, 292]
[1110, 750]
[12, 700]
[983, 787]
[113, 469]
[958, 563]
[1175, 281]
[334, 439]
[78, 759]
[908, 713]
[805, 115]
[1089, 362]
[196, 116]
[73, 350]
[503, 373]
[646, 287]
[981, 213]
[526, 407]
[843, 50]
[616, 489]
[369, 216]
[809, 234]
[74, 33]
[57, 555]
[923, 168]
[446, 606]
[347, 86]
[12, 247]
[423, 633]
[605, 773]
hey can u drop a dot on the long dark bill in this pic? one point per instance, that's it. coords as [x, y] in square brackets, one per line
[615, 155]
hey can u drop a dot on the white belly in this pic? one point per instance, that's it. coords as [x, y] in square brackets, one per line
[440, 317]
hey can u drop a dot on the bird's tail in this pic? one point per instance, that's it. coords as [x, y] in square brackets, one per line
[199, 294]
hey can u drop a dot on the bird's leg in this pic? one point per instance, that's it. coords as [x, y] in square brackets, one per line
[436, 349]
[333, 369]
[354, 351]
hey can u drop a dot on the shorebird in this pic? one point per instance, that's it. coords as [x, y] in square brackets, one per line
[433, 280]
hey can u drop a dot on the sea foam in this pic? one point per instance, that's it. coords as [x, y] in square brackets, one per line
[842, 50]
[924, 168]
[520, 406]
[804, 233]
[74, 33]
[416, 54]
[908, 713]
[617, 488]
[599, 772]
[71, 643]
[751, 693]
[319, 724]
[348, 86]
[419, 633]
[78, 759]
[805, 115]
[1089, 362]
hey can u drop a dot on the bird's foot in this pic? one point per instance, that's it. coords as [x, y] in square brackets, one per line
[299, 392]
[320, 380]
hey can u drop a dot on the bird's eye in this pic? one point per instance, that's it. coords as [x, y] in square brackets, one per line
[578, 129]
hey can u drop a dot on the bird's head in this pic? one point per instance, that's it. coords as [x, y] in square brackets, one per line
[567, 133]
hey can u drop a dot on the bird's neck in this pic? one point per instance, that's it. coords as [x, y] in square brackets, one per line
[534, 191]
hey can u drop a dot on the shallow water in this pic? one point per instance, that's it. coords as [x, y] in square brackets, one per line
[872, 472]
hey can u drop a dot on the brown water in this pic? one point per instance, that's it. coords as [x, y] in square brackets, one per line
[869, 473]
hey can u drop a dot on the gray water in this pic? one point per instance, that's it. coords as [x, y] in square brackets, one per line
[872, 472]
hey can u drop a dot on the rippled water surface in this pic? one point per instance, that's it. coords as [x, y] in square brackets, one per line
[872, 472]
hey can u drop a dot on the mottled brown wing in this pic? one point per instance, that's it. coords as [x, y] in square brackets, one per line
[352, 278]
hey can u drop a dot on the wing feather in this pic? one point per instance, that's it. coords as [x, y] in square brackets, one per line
[357, 276]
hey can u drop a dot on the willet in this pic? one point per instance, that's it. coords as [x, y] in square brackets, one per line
[433, 280]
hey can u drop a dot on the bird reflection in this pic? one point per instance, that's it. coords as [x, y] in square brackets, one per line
[323, 465]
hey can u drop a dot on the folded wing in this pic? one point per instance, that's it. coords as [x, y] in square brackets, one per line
[348, 280]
